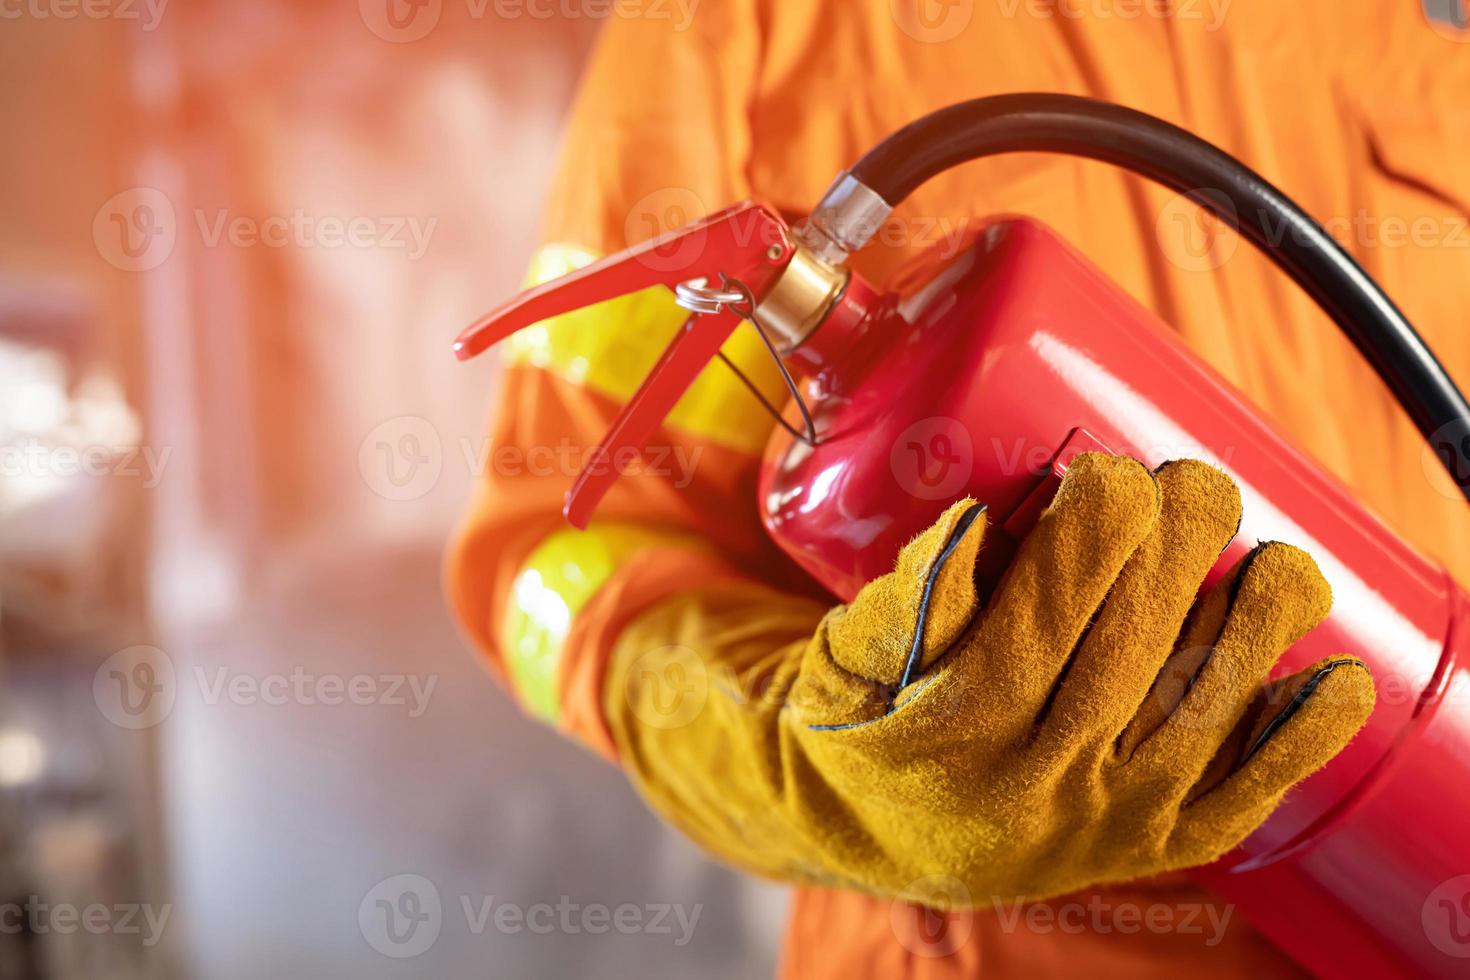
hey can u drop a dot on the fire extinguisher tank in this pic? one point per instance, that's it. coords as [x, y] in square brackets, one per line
[982, 374]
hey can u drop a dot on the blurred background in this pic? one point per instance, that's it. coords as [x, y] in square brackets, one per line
[235, 242]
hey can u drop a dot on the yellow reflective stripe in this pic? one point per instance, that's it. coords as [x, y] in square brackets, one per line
[554, 584]
[610, 348]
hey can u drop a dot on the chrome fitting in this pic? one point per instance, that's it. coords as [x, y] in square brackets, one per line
[846, 219]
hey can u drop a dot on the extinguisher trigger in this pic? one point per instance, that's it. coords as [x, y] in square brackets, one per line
[696, 343]
[743, 248]
[748, 242]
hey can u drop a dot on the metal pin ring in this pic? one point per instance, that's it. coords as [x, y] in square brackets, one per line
[697, 297]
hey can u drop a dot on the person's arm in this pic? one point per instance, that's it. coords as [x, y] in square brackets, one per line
[541, 601]
[1091, 723]
[1083, 727]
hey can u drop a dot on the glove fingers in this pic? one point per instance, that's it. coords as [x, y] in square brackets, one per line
[1201, 631]
[903, 621]
[1105, 506]
[1141, 620]
[1294, 727]
[1273, 597]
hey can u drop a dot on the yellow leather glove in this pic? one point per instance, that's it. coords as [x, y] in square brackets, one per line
[1083, 728]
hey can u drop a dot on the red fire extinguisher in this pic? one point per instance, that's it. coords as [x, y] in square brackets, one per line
[986, 372]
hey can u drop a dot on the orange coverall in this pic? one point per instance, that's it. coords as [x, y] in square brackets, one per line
[1359, 109]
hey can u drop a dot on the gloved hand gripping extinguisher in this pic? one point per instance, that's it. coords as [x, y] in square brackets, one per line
[1020, 346]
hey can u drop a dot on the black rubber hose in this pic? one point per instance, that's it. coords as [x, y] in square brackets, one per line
[1181, 161]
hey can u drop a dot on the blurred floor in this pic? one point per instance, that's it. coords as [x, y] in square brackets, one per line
[283, 818]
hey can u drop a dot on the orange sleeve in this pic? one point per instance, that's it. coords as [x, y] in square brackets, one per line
[660, 132]
[640, 156]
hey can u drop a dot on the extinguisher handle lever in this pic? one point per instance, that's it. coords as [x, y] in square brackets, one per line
[694, 346]
[717, 266]
[747, 242]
